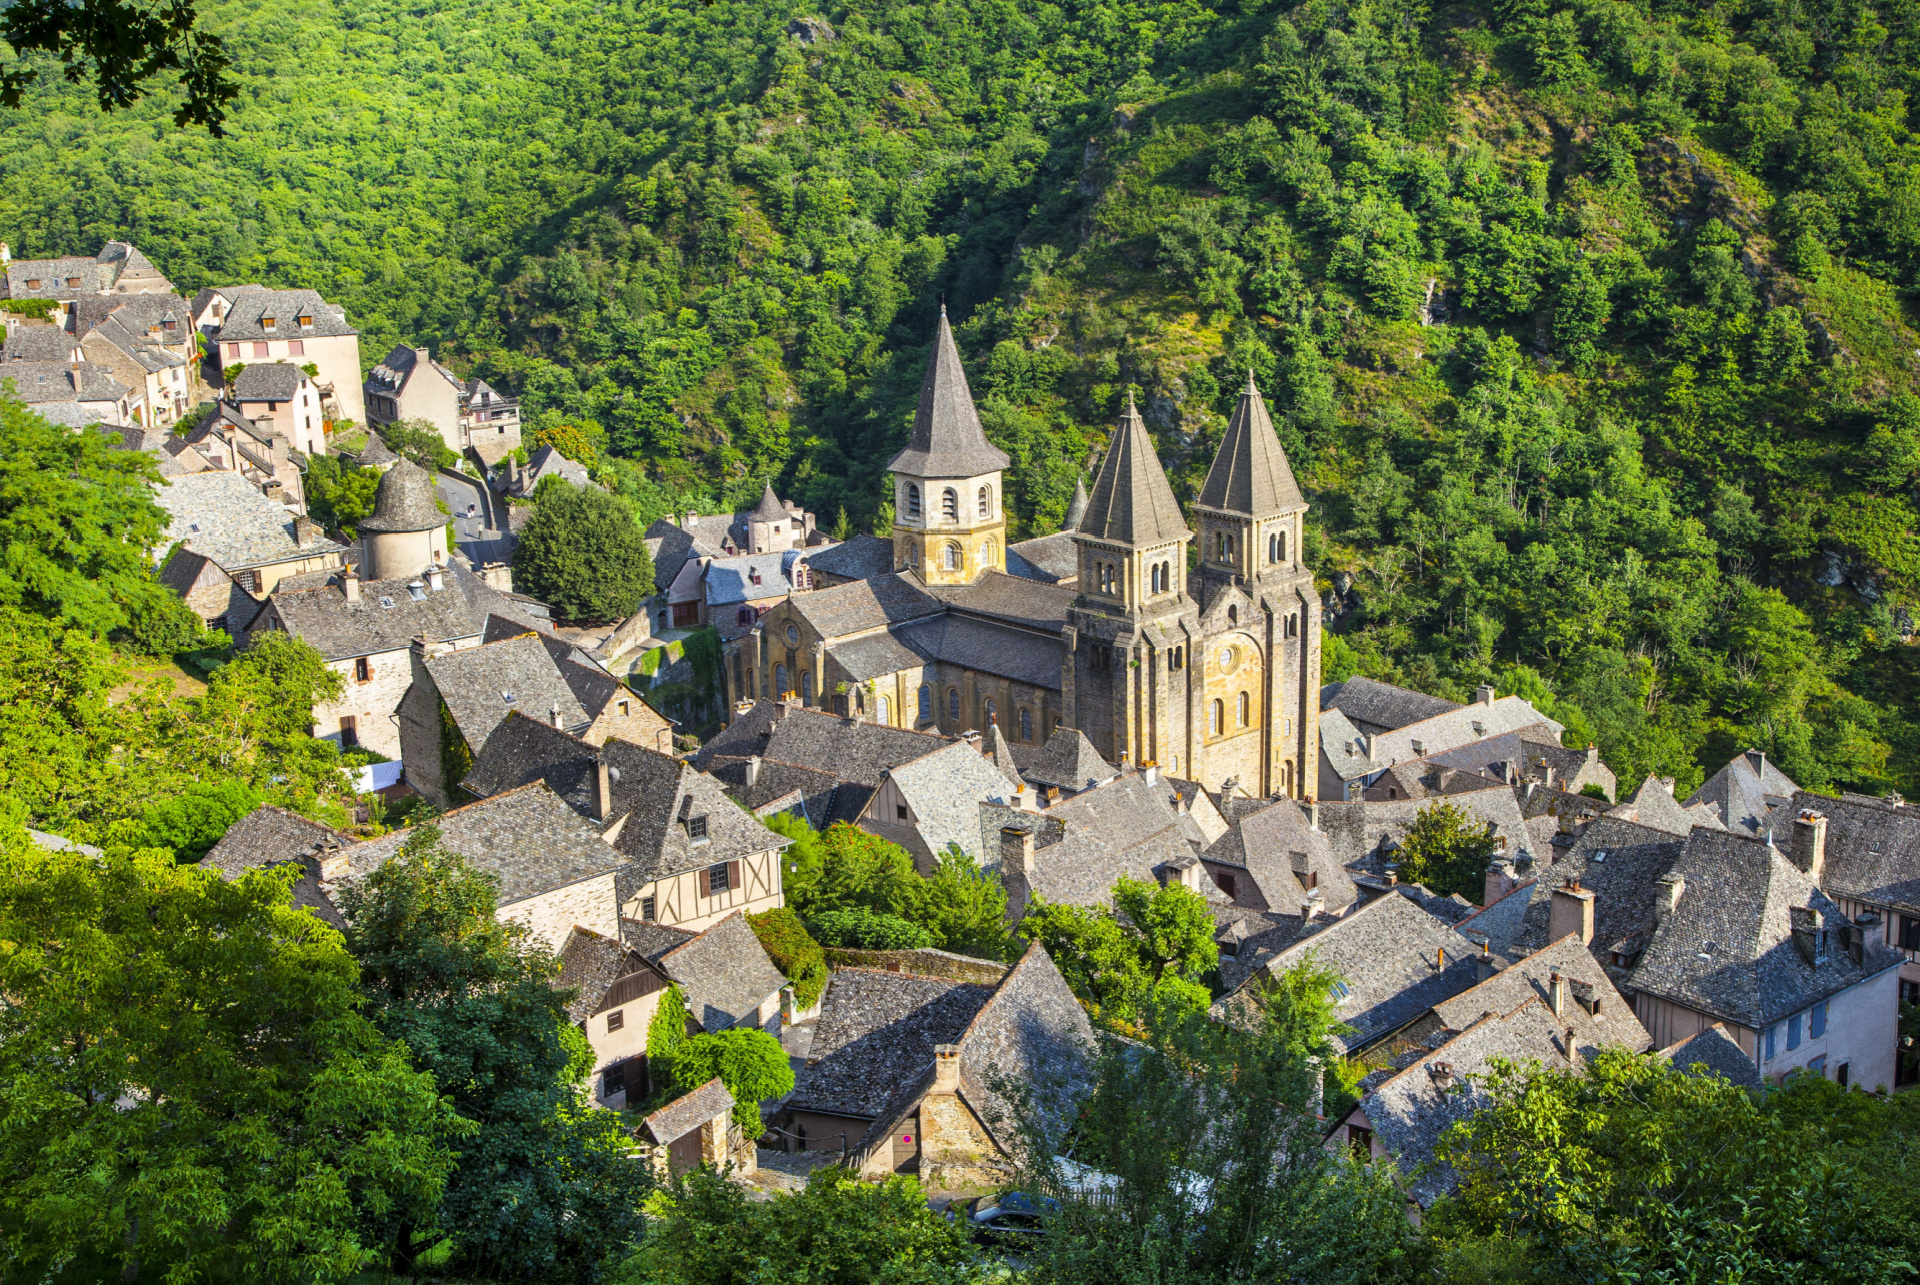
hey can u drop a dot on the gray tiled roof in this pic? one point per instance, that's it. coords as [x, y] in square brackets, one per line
[654, 798]
[250, 304]
[1742, 793]
[1625, 879]
[1076, 507]
[1613, 1022]
[1048, 558]
[1068, 761]
[1250, 474]
[653, 940]
[983, 645]
[589, 965]
[999, 596]
[405, 501]
[857, 752]
[548, 462]
[53, 274]
[58, 381]
[528, 838]
[271, 836]
[1346, 753]
[947, 440]
[1718, 1053]
[1364, 833]
[769, 509]
[523, 749]
[775, 781]
[1396, 961]
[375, 452]
[865, 604]
[731, 579]
[1653, 806]
[482, 685]
[321, 615]
[1125, 827]
[1500, 924]
[1376, 704]
[39, 343]
[1283, 853]
[1131, 502]
[1032, 1033]
[222, 515]
[685, 1114]
[876, 1036]
[878, 655]
[1727, 949]
[945, 790]
[1872, 847]
[724, 973]
[860, 558]
[276, 381]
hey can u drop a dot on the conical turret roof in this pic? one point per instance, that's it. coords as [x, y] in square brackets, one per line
[947, 439]
[1077, 506]
[1131, 501]
[1250, 475]
[404, 501]
[769, 509]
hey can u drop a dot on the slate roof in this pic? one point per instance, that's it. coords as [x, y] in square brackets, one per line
[984, 645]
[769, 508]
[1048, 558]
[1370, 702]
[247, 305]
[730, 580]
[878, 655]
[776, 782]
[997, 749]
[387, 617]
[652, 940]
[945, 789]
[856, 752]
[1067, 761]
[724, 973]
[1364, 834]
[523, 749]
[1714, 1052]
[1653, 806]
[683, 1115]
[1282, 854]
[1727, 950]
[1389, 955]
[999, 596]
[1613, 1022]
[947, 440]
[1501, 923]
[58, 381]
[39, 343]
[1625, 879]
[1131, 502]
[865, 604]
[1872, 847]
[876, 1035]
[1250, 475]
[590, 964]
[375, 452]
[1742, 793]
[548, 462]
[220, 514]
[1346, 753]
[656, 796]
[861, 558]
[529, 838]
[52, 274]
[1076, 507]
[1032, 1033]
[1124, 827]
[271, 836]
[405, 501]
[482, 685]
[397, 369]
[268, 382]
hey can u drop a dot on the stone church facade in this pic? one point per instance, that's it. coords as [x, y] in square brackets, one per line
[1211, 672]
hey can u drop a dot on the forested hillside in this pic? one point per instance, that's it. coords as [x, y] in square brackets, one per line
[1589, 324]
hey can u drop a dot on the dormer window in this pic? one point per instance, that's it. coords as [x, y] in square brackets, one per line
[33, 283]
[267, 323]
[73, 283]
[697, 829]
[169, 324]
[306, 322]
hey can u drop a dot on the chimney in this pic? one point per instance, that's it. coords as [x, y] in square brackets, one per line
[1180, 805]
[305, 531]
[602, 791]
[1498, 884]
[332, 860]
[1151, 770]
[1810, 843]
[350, 583]
[1483, 966]
[6, 253]
[416, 590]
[1667, 894]
[1757, 760]
[553, 714]
[1546, 775]
[1866, 928]
[1593, 753]
[1393, 875]
[946, 1069]
[1483, 695]
[1313, 814]
[1804, 923]
[436, 579]
[1557, 994]
[753, 769]
[1571, 912]
[420, 355]
[1016, 867]
[1366, 743]
[1307, 909]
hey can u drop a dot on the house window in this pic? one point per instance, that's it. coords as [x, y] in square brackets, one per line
[1361, 1140]
[296, 347]
[233, 352]
[989, 553]
[1818, 1066]
[73, 283]
[1216, 714]
[697, 829]
[1793, 1032]
[1817, 1021]
[613, 1081]
[1243, 705]
[926, 703]
[33, 283]
[1772, 1033]
[260, 350]
[646, 910]
[1843, 1073]
[362, 669]
[1224, 881]
[806, 687]
[616, 1019]
[1909, 933]
[913, 500]
[953, 704]
[1026, 724]
[306, 322]
[267, 323]
[717, 878]
[986, 502]
[349, 731]
[950, 557]
[900, 813]
[625, 708]
[950, 504]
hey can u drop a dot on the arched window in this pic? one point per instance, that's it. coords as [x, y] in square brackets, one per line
[1219, 546]
[1286, 778]
[926, 703]
[950, 557]
[1215, 713]
[1244, 707]
[806, 687]
[883, 711]
[1026, 724]
[1166, 577]
[953, 704]
[1293, 626]
[1177, 658]
[1153, 578]
[779, 681]
[986, 502]
[989, 713]
[913, 500]
[990, 553]
[750, 677]
[1283, 547]
[950, 504]
[1233, 615]
[1273, 548]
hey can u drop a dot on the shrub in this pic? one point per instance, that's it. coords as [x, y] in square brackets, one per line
[793, 951]
[864, 929]
[748, 1061]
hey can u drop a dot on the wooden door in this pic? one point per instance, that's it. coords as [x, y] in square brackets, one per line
[906, 1145]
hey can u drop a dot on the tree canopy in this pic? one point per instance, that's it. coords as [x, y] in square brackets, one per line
[582, 553]
[1448, 849]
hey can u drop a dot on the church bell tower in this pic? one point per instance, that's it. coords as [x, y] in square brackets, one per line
[950, 521]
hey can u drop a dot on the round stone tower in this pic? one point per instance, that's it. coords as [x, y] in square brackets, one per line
[407, 533]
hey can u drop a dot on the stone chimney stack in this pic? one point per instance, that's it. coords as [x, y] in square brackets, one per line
[1571, 912]
[553, 714]
[1483, 695]
[1313, 814]
[1810, 844]
[332, 861]
[1667, 894]
[946, 1069]
[305, 531]
[1483, 966]
[350, 583]
[1016, 867]
[753, 769]
[1557, 994]
[602, 791]
[436, 580]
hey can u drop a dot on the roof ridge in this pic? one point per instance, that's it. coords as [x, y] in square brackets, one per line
[1132, 502]
[999, 989]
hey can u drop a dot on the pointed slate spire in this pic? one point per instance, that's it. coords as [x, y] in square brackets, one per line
[947, 439]
[769, 508]
[1077, 506]
[1250, 475]
[1131, 501]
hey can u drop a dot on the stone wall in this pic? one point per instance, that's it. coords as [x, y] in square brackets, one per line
[956, 1153]
[551, 915]
[929, 963]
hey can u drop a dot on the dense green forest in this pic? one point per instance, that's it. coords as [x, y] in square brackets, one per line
[1588, 323]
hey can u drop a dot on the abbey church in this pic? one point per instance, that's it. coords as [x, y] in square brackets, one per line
[1212, 673]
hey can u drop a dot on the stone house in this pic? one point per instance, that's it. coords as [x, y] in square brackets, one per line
[284, 396]
[270, 836]
[544, 463]
[257, 450]
[1744, 794]
[92, 389]
[693, 1130]
[209, 591]
[251, 323]
[1352, 759]
[556, 873]
[771, 526]
[1276, 859]
[933, 802]
[147, 342]
[857, 753]
[907, 1072]
[737, 591]
[467, 413]
[258, 542]
[118, 269]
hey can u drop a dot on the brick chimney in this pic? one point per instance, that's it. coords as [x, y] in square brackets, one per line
[1810, 843]
[1571, 912]
[946, 1070]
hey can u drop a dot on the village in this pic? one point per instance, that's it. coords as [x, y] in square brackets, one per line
[1136, 699]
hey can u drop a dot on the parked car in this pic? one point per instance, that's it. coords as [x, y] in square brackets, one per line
[1007, 1221]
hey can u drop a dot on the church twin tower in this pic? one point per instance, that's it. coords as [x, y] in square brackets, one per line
[1213, 673]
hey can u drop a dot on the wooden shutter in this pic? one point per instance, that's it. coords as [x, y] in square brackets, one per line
[705, 891]
[733, 876]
